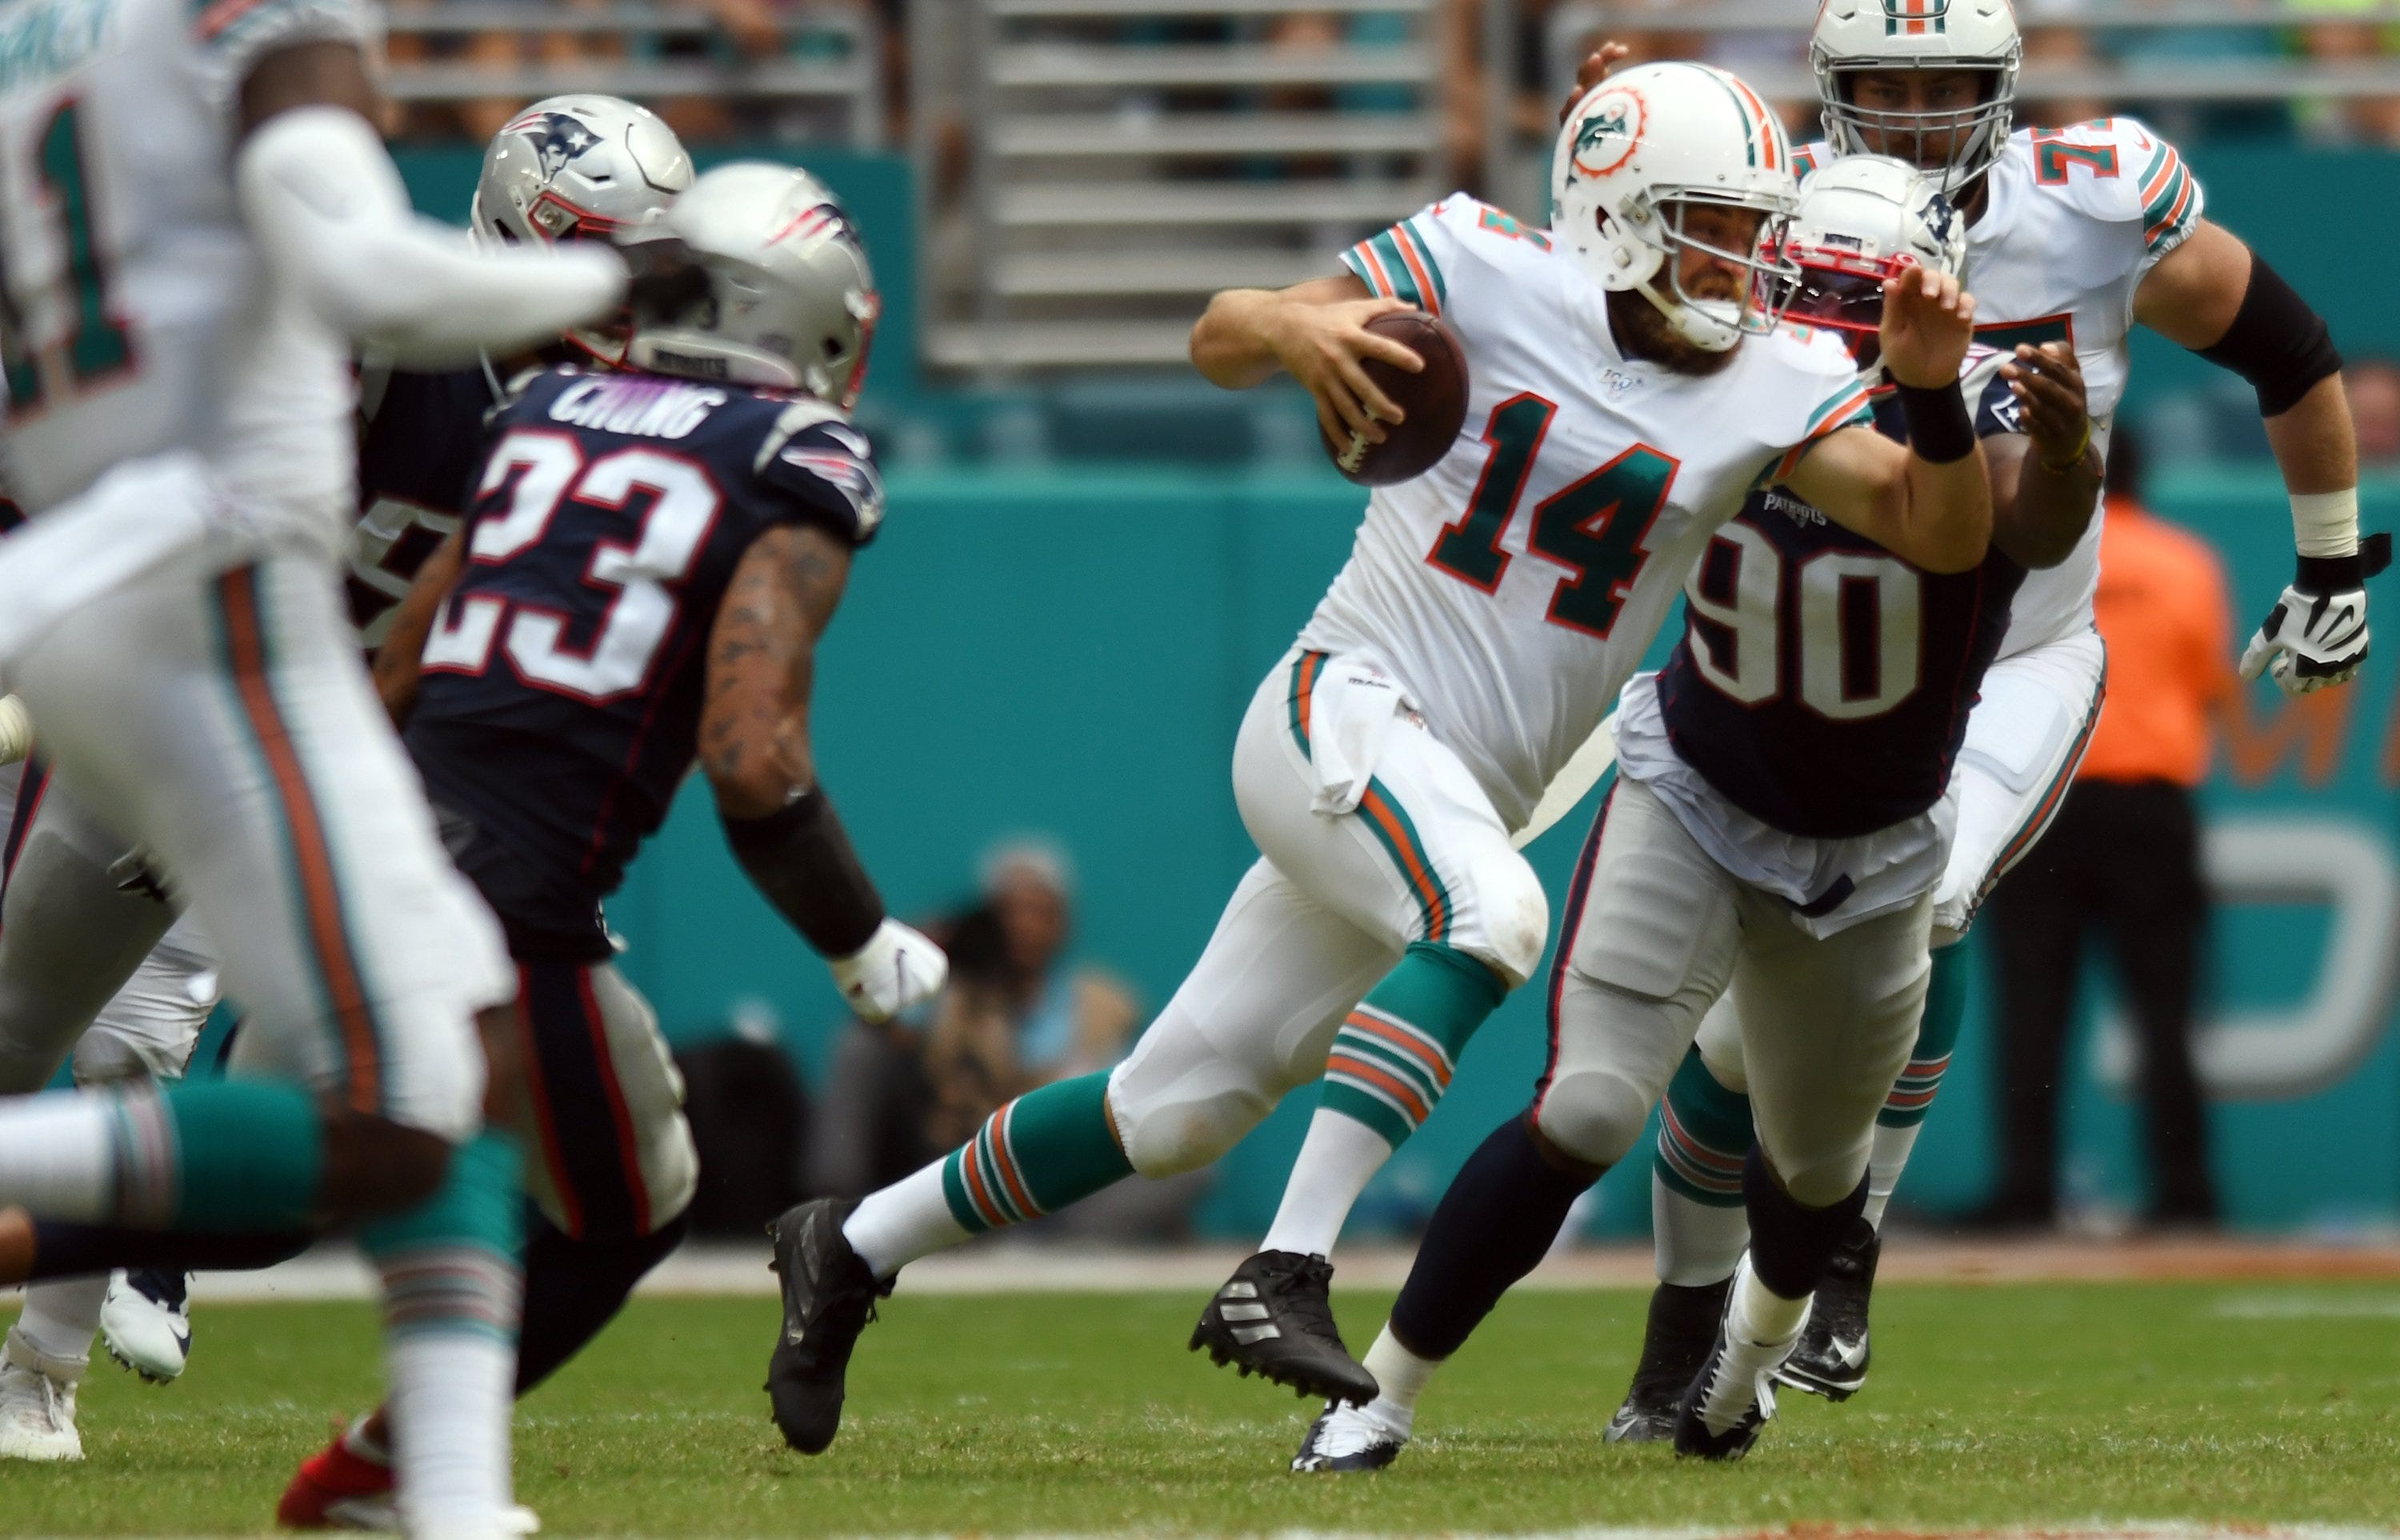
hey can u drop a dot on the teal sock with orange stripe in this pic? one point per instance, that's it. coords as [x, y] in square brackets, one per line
[220, 1156]
[1937, 1035]
[1704, 1135]
[1393, 1057]
[1698, 1224]
[1045, 1149]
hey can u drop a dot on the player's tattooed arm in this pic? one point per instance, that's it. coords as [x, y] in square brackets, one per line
[2045, 478]
[398, 662]
[1317, 332]
[754, 725]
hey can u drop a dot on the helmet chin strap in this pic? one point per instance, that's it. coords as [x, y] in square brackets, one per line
[1693, 325]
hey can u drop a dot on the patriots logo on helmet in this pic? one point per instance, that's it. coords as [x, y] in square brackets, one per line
[1608, 133]
[556, 138]
[1940, 216]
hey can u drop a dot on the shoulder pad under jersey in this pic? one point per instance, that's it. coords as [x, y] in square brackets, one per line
[823, 466]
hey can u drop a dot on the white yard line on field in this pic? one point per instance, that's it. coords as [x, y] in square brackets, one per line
[1009, 1267]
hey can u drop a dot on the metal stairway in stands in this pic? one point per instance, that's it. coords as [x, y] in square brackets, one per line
[1128, 157]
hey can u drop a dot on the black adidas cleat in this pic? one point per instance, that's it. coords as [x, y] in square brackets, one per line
[828, 1298]
[1345, 1437]
[1274, 1318]
[1674, 1344]
[1831, 1358]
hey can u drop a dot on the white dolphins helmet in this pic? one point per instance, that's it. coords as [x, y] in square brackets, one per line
[1864, 219]
[789, 300]
[577, 168]
[1641, 148]
[1854, 36]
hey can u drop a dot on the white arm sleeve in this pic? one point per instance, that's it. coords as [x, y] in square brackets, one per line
[333, 222]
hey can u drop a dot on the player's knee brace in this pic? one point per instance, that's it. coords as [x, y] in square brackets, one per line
[1593, 1113]
[1515, 915]
[1183, 1104]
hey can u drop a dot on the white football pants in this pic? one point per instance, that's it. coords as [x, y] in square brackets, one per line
[2024, 737]
[67, 930]
[1323, 914]
[1655, 933]
[220, 720]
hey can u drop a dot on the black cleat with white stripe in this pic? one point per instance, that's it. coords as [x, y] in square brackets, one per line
[1831, 1358]
[829, 1297]
[1274, 1318]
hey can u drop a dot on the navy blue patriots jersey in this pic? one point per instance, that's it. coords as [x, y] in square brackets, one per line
[1821, 685]
[563, 680]
[420, 444]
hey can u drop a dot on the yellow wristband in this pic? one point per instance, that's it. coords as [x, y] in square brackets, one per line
[2081, 446]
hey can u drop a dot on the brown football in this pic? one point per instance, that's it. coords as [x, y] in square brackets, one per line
[1434, 400]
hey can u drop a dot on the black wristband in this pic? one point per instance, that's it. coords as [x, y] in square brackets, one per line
[1938, 427]
[2322, 575]
[800, 858]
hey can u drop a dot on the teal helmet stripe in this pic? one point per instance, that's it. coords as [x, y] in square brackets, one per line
[1749, 127]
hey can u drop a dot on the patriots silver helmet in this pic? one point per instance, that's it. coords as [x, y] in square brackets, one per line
[577, 168]
[784, 296]
[1957, 144]
[1863, 220]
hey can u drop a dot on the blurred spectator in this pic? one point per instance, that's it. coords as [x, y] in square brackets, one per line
[2122, 862]
[2373, 386]
[1016, 1014]
[2363, 119]
[2062, 49]
[501, 52]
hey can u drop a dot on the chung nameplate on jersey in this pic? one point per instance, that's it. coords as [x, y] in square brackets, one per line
[650, 408]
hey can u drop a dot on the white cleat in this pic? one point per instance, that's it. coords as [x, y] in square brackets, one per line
[37, 1404]
[1349, 1438]
[145, 1323]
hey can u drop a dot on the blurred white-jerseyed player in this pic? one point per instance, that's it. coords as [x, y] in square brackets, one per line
[198, 224]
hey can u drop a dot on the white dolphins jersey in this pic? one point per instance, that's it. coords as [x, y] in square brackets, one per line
[1513, 588]
[135, 318]
[2075, 220]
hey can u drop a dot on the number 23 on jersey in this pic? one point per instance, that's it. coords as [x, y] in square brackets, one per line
[549, 472]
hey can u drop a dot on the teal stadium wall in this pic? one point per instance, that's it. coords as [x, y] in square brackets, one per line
[1068, 651]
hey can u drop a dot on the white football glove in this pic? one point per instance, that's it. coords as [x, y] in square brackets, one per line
[899, 968]
[2316, 633]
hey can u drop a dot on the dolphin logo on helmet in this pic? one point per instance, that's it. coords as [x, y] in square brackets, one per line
[1640, 151]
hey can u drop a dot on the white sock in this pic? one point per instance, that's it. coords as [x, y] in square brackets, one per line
[1696, 1243]
[1401, 1376]
[1888, 1159]
[63, 1317]
[1337, 1159]
[58, 1157]
[1761, 1316]
[908, 1219]
[452, 1393]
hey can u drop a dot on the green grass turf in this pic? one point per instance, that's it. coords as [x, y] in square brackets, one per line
[1989, 1406]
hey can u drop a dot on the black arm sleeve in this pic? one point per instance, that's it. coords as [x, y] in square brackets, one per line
[2276, 342]
[800, 858]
